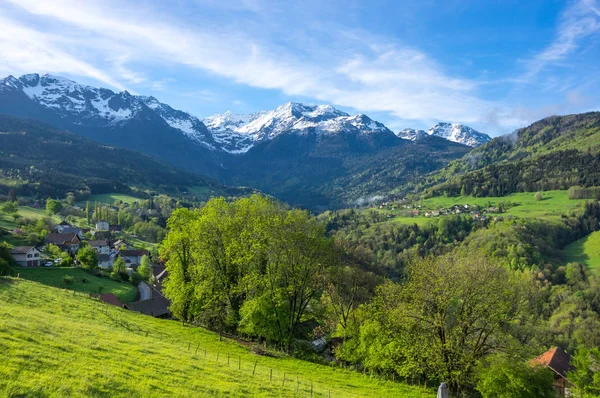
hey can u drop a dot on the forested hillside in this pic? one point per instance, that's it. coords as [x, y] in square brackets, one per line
[37, 159]
[554, 153]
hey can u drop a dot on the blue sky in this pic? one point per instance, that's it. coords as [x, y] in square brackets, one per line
[494, 65]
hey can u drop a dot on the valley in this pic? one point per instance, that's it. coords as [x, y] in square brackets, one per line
[315, 245]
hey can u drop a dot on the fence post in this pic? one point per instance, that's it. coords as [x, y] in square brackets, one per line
[311, 388]
[254, 370]
[196, 347]
[271, 375]
[239, 362]
[283, 383]
[297, 384]
[227, 359]
[188, 346]
[205, 353]
[217, 356]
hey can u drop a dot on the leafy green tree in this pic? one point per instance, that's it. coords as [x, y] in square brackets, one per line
[538, 196]
[288, 279]
[119, 265]
[5, 253]
[144, 269]
[135, 278]
[4, 267]
[586, 375]
[53, 206]
[500, 376]
[451, 312]
[9, 207]
[88, 257]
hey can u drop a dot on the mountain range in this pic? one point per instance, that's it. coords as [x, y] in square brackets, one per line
[454, 132]
[293, 151]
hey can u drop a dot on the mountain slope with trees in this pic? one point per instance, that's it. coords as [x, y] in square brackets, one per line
[557, 152]
[37, 159]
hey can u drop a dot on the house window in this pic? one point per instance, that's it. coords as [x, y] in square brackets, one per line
[36, 254]
[29, 256]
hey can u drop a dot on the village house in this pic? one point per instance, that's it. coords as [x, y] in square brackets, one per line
[558, 362]
[115, 228]
[101, 246]
[26, 256]
[68, 242]
[63, 224]
[102, 225]
[133, 257]
[73, 230]
[120, 244]
[106, 261]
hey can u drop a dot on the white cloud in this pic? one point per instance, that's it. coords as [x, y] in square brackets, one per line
[346, 68]
[578, 21]
[25, 50]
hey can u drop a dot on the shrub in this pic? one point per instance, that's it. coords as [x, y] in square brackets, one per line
[68, 280]
[538, 196]
[5, 269]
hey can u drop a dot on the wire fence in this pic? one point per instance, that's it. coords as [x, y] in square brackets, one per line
[254, 368]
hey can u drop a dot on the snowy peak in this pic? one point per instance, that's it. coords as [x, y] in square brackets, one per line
[454, 132]
[101, 107]
[240, 132]
[460, 133]
[412, 134]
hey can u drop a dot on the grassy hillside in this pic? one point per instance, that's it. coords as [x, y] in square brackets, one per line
[53, 276]
[585, 251]
[54, 344]
[554, 204]
[110, 198]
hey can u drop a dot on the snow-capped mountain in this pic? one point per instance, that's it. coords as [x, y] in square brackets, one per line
[454, 132]
[98, 107]
[412, 134]
[238, 133]
[460, 133]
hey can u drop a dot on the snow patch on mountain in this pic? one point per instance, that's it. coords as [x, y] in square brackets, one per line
[101, 106]
[242, 132]
[460, 133]
[411, 134]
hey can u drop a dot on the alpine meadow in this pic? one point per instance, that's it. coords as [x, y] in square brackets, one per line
[300, 199]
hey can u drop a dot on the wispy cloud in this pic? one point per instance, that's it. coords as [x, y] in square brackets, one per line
[112, 42]
[580, 20]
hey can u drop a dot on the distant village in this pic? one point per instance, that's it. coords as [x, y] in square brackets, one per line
[404, 207]
[106, 240]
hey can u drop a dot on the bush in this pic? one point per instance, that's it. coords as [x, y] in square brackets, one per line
[538, 196]
[68, 280]
[502, 377]
[88, 257]
[5, 269]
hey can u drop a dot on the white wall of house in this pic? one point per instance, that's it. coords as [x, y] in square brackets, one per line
[29, 259]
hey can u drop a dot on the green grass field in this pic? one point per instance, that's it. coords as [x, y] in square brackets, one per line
[56, 344]
[8, 222]
[138, 242]
[586, 251]
[54, 276]
[553, 204]
[110, 198]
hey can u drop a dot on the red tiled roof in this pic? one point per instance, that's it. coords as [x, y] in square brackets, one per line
[555, 359]
[110, 299]
[133, 253]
